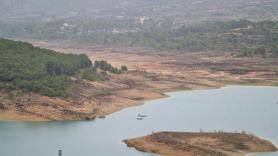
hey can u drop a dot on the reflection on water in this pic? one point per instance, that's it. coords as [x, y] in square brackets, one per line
[253, 109]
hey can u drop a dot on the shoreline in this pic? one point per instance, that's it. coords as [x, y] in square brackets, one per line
[152, 75]
[192, 143]
[20, 117]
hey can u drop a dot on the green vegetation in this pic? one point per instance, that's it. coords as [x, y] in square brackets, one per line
[105, 66]
[32, 69]
[245, 37]
[124, 68]
[92, 74]
[211, 25]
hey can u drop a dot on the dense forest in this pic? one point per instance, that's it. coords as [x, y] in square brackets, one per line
[32, 69]
[245, 37]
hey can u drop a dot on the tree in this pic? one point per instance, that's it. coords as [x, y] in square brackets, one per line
[124, 68]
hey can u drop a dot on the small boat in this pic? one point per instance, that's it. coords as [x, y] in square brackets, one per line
[141, 116]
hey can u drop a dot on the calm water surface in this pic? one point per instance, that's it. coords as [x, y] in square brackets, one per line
[253, 109]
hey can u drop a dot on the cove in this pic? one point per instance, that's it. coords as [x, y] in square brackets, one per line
[231, 108]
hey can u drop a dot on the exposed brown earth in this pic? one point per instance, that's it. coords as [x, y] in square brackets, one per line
[194, 144]
[151, 73]
[87, 99]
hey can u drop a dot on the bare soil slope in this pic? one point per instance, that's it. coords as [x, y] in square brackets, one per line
[151, 74]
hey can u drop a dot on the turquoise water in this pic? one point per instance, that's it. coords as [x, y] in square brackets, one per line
[253, 109]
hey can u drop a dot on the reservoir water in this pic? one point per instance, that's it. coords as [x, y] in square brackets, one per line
[232, 108]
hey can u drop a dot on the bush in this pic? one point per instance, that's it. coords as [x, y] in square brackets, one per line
[92, 75]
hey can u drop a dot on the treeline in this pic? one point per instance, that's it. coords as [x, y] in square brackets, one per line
[92, 73]
[105, 66]
[32, 69]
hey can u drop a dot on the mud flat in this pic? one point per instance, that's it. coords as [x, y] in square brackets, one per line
[208, 144]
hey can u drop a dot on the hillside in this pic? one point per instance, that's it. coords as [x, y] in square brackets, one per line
[37, 86]
[31, 69]
[41, 84]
